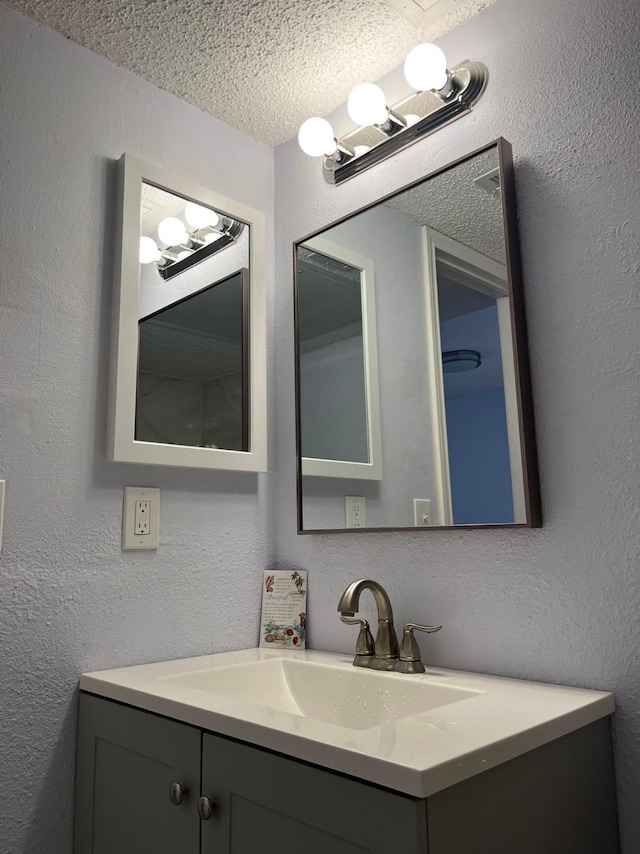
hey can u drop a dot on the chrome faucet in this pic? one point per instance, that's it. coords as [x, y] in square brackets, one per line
[383, 653]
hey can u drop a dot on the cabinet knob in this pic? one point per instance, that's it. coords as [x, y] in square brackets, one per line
[205, 808]
[176, 794]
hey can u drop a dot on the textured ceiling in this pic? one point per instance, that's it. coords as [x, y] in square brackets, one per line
[155, 205]
[453, 204]
[262, 66]
[186, 354]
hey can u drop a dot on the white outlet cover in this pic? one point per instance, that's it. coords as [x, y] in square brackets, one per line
[422, 512]
[355, 511]
[131, 540]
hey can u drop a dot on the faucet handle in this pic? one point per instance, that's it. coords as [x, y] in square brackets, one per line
[410, 658]
[364, 644]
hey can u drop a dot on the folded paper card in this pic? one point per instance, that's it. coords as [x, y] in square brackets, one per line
[284, 609]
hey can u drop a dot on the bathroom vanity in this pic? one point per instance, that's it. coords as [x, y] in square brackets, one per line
[260, 751]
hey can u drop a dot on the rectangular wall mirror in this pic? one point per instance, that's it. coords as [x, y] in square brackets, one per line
[413, 391]
[189, 352]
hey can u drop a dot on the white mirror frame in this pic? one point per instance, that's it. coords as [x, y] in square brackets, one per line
[343, 468]
[123, 447]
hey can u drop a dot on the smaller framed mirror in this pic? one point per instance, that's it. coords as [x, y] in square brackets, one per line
[414, 404]
[188, 380]
[338, 359]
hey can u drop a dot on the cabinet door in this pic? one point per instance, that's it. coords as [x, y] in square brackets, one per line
[127, 761]
[266, 802]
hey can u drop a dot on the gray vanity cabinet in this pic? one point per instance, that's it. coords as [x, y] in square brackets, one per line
[265, 802]
[555, 799]
[262, 802]
[127, 761]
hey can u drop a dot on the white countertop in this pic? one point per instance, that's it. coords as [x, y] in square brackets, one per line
[497, 719]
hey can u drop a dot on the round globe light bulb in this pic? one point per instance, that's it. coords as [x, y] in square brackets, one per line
[367, 105]
[316, 137]
[172, 231]
[184, 254]
[200, 217]
[209, 238]
[426, 68]
[149, 251]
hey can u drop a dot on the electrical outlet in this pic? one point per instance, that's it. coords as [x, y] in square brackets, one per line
[422, 512]
[141, 518]
[354, 511]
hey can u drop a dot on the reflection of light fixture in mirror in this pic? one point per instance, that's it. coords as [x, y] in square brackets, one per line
[457, 361]
[149, 251]
[200, 217]
[172, 231]
[441, 95]
[212, 231]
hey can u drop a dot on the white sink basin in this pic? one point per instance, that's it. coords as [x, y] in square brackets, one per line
[355, 698]
[415, 734]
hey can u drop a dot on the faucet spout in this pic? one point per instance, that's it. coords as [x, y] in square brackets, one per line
[386, 644]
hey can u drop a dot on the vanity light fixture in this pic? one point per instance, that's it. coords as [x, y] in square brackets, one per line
[210, 232]
[441, 95]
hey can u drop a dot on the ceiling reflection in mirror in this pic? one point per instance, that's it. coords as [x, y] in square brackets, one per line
[431, 371]
[192, 379]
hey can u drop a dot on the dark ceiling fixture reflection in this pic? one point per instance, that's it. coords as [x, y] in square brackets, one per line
[457, 361]
[208, 233]
[440, 95]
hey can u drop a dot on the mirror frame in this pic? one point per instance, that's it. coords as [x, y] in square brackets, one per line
[371, 470]
[519, 340]
[123, 447]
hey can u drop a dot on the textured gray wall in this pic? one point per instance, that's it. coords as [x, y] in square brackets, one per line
[70, 600]
[561, 603]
